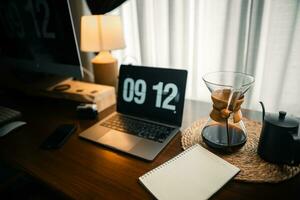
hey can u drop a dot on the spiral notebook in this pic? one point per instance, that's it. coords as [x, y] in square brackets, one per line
[195, 173]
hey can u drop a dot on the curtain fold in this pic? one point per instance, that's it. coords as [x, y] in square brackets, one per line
[258, 37]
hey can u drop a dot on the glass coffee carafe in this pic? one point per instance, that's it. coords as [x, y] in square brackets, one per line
[225, 129]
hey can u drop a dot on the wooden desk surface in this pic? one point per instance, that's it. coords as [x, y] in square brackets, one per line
[84, 170]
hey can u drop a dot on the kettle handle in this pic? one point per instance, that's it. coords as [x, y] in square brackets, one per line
[263, 110]
[296, 149]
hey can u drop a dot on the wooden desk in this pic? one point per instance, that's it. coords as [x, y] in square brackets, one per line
[84, 170]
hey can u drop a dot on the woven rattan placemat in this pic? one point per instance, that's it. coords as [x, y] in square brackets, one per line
[253, 168]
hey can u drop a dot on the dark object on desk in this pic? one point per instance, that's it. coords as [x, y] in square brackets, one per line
[59, 136]
[87, 111]
[279, 141]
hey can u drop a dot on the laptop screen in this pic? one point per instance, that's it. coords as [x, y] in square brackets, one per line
[152, 93]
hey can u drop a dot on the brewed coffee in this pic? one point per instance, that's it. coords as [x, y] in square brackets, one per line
[216, 136]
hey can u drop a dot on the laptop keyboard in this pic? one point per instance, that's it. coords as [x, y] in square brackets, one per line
[148, 130]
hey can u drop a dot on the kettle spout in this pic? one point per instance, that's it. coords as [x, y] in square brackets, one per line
[263, 110]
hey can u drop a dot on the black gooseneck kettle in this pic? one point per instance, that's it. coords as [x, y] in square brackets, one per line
[279, 141]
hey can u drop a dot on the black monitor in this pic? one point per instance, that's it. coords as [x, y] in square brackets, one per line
[39, 36]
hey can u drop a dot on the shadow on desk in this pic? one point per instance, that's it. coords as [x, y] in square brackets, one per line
[15, 185]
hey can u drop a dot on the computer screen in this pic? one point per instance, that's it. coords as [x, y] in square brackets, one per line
[38, 35]
[152, 93]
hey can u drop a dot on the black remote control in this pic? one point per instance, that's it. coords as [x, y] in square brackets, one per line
[59, 136]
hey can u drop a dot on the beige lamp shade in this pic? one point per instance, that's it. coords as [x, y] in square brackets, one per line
[101, 33]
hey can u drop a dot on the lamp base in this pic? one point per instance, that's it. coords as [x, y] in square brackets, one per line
[105, 69]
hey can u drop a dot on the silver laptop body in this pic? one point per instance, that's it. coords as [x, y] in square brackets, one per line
[150, 111]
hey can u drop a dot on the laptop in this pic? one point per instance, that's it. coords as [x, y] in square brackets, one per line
[149, 112]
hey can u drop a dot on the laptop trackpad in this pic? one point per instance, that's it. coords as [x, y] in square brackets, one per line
[119, 140]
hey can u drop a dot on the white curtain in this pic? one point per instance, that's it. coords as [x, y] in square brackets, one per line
[258, 37]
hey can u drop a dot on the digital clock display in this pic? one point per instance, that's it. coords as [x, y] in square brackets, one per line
[152, 93]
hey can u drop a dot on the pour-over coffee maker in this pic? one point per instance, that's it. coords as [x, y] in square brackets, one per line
[225, 129]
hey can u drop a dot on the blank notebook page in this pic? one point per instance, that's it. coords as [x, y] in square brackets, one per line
[195, 173]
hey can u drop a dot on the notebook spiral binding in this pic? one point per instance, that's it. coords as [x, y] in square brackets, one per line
[169, 161]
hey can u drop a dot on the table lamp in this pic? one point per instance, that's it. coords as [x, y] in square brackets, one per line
[102, 33]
